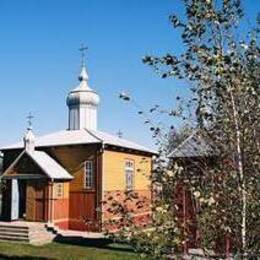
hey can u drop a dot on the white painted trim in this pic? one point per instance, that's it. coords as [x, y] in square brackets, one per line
[103, 174]
[52, 201]
[93, 175]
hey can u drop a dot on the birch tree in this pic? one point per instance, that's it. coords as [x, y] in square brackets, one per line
[220, 64]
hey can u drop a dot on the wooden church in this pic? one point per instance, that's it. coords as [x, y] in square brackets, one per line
[63, 178]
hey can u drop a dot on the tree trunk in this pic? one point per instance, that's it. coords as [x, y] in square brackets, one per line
[239, 161]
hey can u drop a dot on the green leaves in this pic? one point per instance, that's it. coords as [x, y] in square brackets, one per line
[222, 71]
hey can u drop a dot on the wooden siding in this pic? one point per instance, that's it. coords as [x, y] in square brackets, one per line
[64, 190]
[114, 171]
[79, 208]
[36, 200]
[72, 159]
[114, 186]
[82, 203]
[26, 166]
[30, 201]
[83, 214]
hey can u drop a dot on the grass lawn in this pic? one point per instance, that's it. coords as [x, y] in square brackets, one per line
[58, 250]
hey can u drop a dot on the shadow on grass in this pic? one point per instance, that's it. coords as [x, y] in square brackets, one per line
[3, 256]
[103, 243]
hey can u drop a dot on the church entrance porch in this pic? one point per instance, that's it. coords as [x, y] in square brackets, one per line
[25, 199]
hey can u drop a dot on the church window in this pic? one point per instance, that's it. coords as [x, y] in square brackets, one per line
[129, 174]
[89, 175]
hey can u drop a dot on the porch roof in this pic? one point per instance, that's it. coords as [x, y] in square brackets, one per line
[48, 165]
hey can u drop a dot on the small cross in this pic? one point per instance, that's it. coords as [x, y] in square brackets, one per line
[83, 49]
[119, 134]
[29, 120]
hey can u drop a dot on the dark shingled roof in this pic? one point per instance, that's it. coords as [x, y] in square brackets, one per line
[196, 145]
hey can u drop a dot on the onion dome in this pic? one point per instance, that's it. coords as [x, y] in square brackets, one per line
[83, 103]
[83, 94]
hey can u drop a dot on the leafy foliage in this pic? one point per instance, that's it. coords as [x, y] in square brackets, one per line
[222, 70]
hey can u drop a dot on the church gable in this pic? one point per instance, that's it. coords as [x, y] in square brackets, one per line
[24, 166]
[36, 164]
[27, 165]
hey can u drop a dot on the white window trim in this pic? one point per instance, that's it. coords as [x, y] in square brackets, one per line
[85, 175]
[132, 169]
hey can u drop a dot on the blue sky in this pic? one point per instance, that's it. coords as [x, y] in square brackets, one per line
[39, 60]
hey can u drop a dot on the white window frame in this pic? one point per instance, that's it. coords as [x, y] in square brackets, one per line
[89, 174]
[129, 172]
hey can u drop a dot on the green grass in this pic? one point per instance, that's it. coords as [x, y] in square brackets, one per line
[66, 250]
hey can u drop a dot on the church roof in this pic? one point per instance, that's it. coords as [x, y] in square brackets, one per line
[82, 136]
[48, 165]
[117, 141]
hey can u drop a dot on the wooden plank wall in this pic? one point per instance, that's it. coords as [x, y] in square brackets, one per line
[83, 211]
[61, 204]
[82, 202]
[114, 185]
[37, 200]
[114, 170]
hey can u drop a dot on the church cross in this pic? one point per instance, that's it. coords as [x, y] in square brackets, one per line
[119, 134]
[83, 49]
[29, 120]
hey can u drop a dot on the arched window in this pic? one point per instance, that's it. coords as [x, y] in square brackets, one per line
[129, 174]
[89, 175]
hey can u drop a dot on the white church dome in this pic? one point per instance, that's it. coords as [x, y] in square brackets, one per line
[83, 104]
[83, 94]
[83, 97]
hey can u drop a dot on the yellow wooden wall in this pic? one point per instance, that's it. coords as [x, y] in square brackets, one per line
[114, 171]
[73, 158]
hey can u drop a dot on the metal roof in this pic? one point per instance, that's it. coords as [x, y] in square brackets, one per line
[117, 141]
[196, 145]
[48, 165]
[83, 136]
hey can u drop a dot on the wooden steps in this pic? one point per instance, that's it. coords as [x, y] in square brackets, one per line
[32, 233]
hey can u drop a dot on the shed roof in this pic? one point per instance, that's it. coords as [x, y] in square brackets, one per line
[83, 136]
